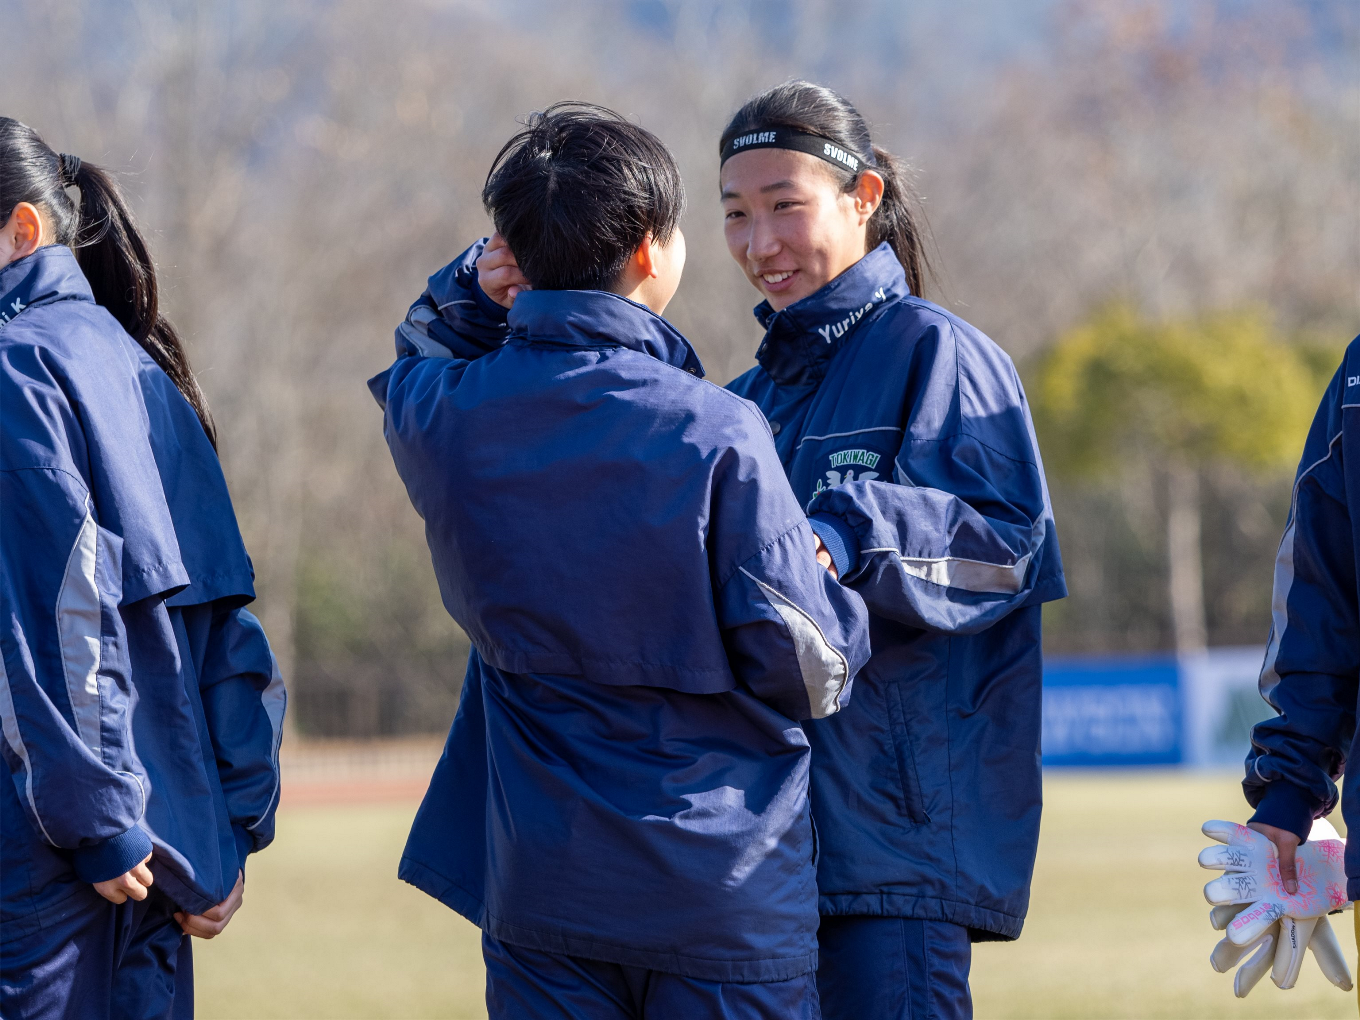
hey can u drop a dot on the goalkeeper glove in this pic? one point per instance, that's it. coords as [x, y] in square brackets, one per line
[1279, 950]
[1253, 878]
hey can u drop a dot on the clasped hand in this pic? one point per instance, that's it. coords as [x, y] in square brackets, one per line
[136, 884]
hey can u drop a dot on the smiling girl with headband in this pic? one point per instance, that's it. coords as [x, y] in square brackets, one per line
[906, 436]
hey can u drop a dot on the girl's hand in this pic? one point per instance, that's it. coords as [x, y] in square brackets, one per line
[1252, 875]
[498, 273]
[134, 884]
[1286, 846]
[211, 922]
[824, 558]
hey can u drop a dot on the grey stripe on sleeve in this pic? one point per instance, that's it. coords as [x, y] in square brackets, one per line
[967, 575]
[1284, 581]
[274, 699]
[9, 723]
[79, 629]
[1279, 609]
[416, 330]
[824, 670]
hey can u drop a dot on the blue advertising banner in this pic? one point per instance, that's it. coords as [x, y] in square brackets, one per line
[1113, 711]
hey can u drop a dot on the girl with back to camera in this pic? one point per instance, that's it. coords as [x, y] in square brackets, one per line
[905, 433]
[622, 802]
[140, 707]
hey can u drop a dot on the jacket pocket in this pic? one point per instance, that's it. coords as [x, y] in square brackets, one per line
[906, 756]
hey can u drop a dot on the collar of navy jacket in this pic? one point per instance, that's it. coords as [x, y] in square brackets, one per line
[598, 318]
[49, 274]
[801, 340]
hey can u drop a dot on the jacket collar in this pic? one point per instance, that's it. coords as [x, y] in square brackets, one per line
[597, 318]
[801, 339]
[49, 274]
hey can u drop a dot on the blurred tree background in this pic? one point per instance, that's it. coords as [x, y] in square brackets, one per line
[1154, 206]
[1174, 400]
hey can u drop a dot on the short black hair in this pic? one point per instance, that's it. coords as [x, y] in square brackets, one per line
[577, 190]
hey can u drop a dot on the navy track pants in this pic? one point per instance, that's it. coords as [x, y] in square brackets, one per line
[893, 968]
[525, 984]
[92, 960]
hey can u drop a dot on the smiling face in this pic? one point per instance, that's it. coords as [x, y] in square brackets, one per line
[788, 223]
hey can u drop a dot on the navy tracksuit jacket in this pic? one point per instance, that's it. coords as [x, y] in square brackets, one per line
[140, 706]
[626, 779]
[906, 435]
[1313, 656]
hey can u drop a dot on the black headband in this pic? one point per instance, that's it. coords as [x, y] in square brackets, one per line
[67, 168]
[798, 141]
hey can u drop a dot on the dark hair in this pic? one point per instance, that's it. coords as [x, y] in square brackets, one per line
[575, 193]
[817, 110]
[111, 252]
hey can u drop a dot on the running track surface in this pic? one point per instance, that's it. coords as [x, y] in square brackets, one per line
[333, 773]
[311, 794]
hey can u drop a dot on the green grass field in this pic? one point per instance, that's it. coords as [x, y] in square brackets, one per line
[1118, 926]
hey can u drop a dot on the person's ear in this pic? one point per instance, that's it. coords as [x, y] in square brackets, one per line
[644, 259]
[25, 228]
[868, 194]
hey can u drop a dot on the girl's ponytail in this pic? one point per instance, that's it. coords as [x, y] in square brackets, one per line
[111, 252]
[898, 219]
[817, 110]
[114, 257]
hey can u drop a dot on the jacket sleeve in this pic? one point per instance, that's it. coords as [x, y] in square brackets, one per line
[65, 694]
[244, 700]
[1313, 656]
[453, 318]
[794, 637]
[956, 539]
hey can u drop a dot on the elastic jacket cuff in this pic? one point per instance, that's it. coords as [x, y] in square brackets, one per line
[494, 312]
[113, 857]
[1287, 807]
[840, 541]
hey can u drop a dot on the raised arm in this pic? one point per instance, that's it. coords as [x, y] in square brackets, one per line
[453, 319]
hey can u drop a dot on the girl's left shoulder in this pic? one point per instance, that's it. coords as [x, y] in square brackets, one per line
[937, 340]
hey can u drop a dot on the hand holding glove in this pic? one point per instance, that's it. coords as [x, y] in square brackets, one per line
[1253, 878]
[1280, 945]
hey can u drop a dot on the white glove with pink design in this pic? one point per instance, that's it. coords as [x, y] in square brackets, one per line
[1280, 950]
[1258, 914]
